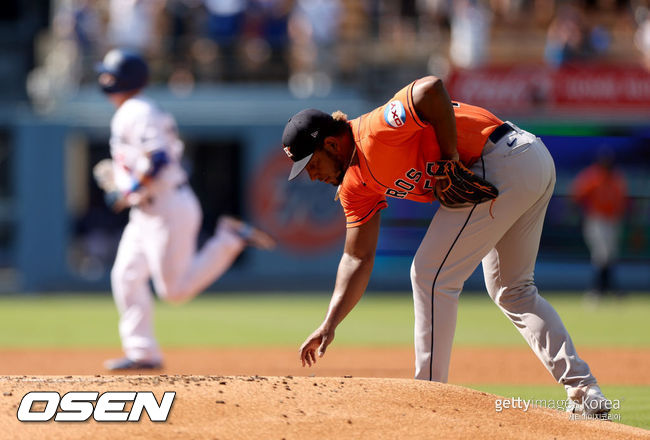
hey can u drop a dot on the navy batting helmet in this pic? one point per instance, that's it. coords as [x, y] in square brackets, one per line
[122, 71]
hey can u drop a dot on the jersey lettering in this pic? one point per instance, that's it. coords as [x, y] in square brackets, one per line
[401, 183]
[390, 192]
[398, 150]
[432, 167]
[414, 175]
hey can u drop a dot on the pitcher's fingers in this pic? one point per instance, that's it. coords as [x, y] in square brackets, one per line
[323, 346]
[304, 356]
[312, 353]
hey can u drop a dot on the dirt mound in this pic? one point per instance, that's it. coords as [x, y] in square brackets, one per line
[252, 407]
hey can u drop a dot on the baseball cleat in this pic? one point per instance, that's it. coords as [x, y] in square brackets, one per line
[128, 364]
[589, 402]
[251, 235]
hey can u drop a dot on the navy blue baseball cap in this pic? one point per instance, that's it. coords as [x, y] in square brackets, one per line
[303, 134]
[122, 71]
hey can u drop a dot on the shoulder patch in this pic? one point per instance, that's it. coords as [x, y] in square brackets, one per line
[394, 114]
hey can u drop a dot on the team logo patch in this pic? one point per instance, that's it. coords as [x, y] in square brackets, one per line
[394, 114]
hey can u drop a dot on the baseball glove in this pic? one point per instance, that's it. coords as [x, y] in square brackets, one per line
[103, 174]
[457, 187]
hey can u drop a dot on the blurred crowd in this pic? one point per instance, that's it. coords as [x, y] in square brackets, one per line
[311, 43]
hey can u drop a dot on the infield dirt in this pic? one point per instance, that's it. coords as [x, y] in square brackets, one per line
[491, 365]
[299, 406]
[256, 407]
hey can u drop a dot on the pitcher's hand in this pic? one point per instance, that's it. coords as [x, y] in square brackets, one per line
[319, 340]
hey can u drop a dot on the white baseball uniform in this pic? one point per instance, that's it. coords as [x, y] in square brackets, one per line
[159, 241]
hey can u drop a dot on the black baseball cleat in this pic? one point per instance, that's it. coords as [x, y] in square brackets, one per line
[128, 364]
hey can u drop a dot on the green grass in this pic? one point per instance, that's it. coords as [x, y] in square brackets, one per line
[242, 320]
[611, 323]
[631, 404]
[285, 320]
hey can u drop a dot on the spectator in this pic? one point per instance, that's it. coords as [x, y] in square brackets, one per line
[61, 69]
[600, 191]
[88, 26]
[314, 30]
[570, 39]
[470, 33]
[642, 34]
[132, 24]
[434, 15]
[267, 38]
[181, 16]
[225, 27]
[181, 21]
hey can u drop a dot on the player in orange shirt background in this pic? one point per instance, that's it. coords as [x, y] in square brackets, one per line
[601, 192]
[394, 151]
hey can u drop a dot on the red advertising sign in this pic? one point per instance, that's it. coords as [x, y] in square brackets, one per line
[530, 88]
[602, 86]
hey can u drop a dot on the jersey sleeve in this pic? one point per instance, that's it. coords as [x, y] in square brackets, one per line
[359, 203]
[396, 121]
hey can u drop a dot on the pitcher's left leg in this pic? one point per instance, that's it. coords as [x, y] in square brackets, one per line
[508, 271]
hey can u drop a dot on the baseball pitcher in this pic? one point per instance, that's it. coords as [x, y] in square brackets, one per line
[493, 180]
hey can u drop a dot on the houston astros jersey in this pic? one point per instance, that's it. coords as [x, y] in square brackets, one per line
[139, 128]
[602, 192]
[396, 152]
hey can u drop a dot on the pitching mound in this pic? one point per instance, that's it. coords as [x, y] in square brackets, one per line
[239, 407]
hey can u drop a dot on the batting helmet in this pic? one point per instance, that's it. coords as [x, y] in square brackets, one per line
[122, 71]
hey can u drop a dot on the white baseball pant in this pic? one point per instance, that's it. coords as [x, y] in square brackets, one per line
[505, 237]
[159, 243]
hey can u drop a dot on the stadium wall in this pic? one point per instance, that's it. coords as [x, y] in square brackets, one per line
[61, 237]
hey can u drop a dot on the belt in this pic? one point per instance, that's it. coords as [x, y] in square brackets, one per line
[500, 132]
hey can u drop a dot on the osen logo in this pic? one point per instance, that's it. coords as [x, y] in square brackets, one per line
[394, 114]
[77, 406]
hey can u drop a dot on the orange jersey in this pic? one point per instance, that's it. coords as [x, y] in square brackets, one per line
[601, 192]
[396, 151]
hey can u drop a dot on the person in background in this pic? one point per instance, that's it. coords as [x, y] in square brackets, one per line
[159, 241]
[600, 191]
